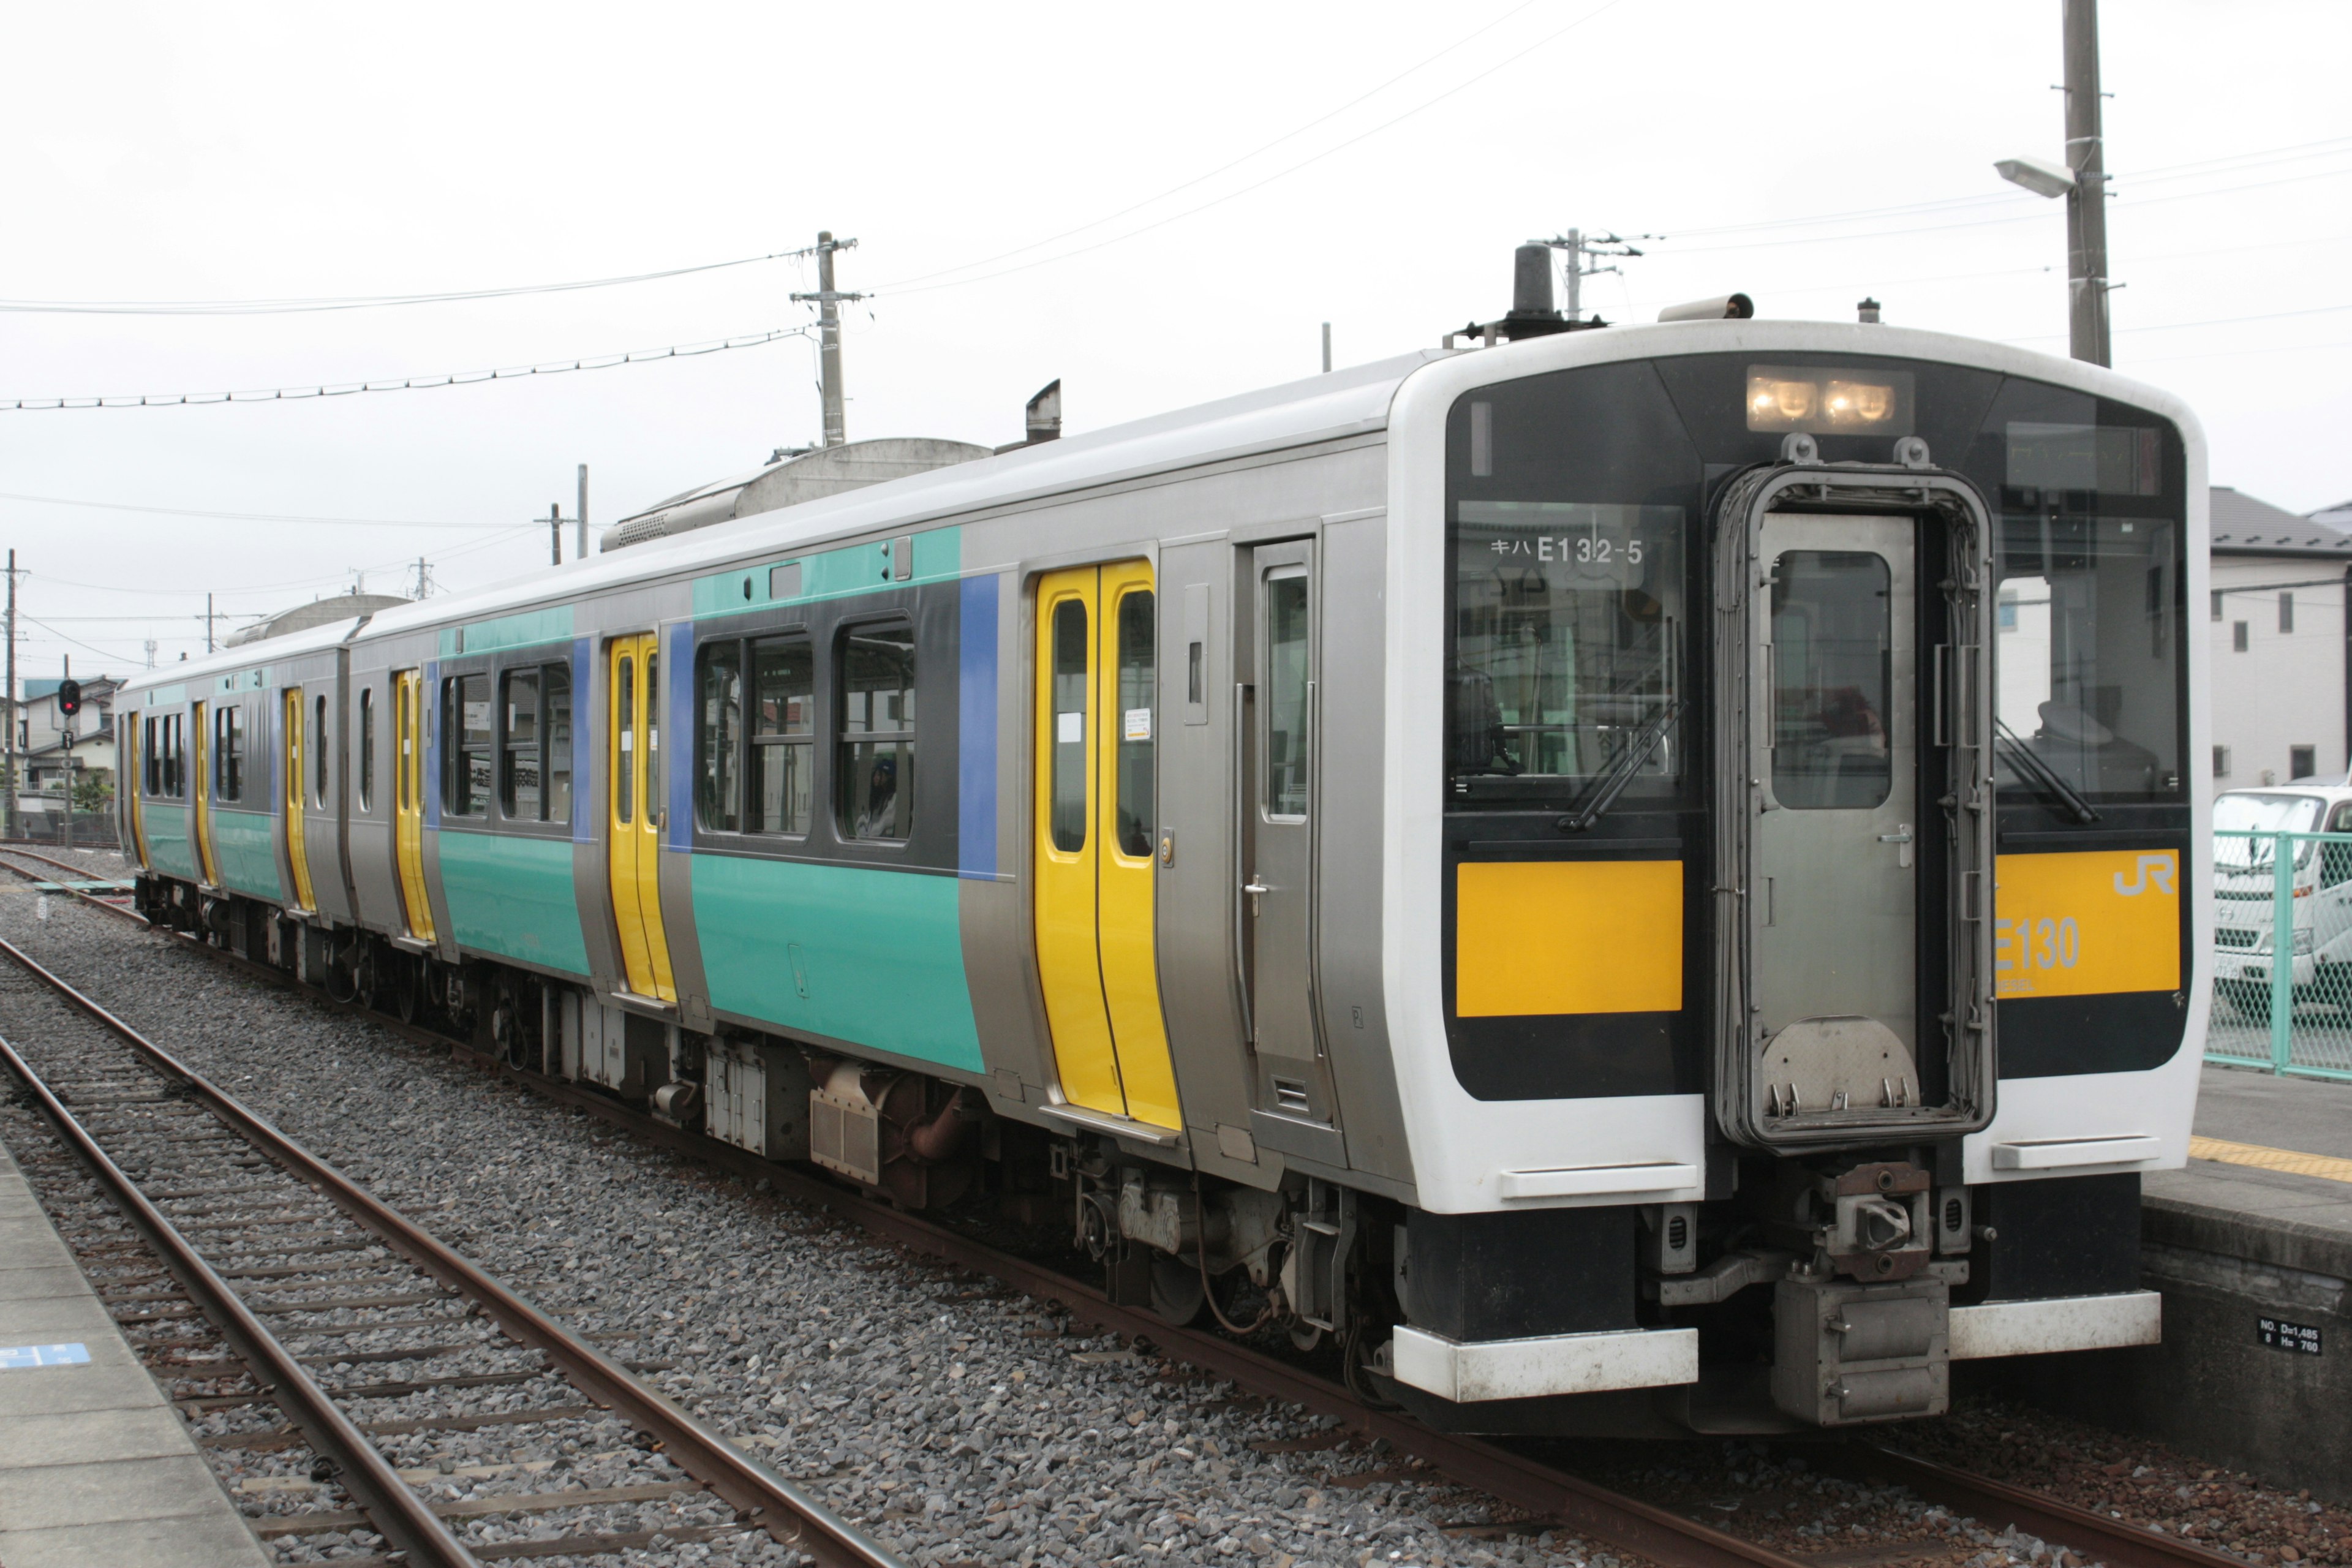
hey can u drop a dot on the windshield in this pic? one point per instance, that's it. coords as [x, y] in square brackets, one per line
[2235, 813]
[2087, 620]
[1566, 616]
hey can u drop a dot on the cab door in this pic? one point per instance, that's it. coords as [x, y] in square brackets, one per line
[634, 816]
[1278, 909]
[296, 749]
[1096, 721]
[1835, 945]
[408, 800]
[199, 719]
[134, 790]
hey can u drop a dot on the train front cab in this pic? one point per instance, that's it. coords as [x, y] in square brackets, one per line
[1814, 914]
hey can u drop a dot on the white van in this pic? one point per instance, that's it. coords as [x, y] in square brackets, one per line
[2244, 885]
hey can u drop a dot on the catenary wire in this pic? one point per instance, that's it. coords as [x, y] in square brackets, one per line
[244, 516]
[406, 384]
[292, 306]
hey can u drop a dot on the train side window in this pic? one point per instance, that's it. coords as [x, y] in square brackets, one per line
[875, 762]
[719, 736]
[151, 771]
[1138, 699]
[783, 734]
[469, 736]
[519, 774]
[317, 744]
[229, 752]
[367, 748]
[557, 684]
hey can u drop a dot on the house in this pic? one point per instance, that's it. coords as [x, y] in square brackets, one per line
[2280, 666]
[43, 748]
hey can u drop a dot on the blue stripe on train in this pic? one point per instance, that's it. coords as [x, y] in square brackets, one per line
[976, 732]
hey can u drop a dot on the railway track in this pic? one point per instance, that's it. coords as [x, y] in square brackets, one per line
[1526, 1482]
[271, 1285]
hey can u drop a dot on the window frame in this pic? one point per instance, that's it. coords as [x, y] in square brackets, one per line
[743, 758]
[503, 741]
[904, 736]
[322, 769]
[454, 752]
[229, 752]
[367, 749]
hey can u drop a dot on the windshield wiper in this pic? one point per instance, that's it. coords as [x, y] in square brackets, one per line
[1611, 783]
[2039, 774]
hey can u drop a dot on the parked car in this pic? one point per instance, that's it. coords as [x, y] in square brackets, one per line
[2245, 886]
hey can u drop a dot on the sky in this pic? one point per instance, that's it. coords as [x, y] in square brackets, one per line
[1157, 205]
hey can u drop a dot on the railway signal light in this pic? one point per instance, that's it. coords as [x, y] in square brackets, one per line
[70, 697]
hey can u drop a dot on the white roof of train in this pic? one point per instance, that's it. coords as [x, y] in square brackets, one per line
[1324, 407]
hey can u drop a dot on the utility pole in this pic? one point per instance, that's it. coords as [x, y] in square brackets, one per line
[554, 533]
[828, 318]
[2086, 202]
[582, 553]
[1581, 246]
[1326, 348]
[14, 782]
[68, 726]
[424, 578]
[208, 623]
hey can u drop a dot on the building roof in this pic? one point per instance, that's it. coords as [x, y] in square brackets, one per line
[2336, 516]
[2245, 526]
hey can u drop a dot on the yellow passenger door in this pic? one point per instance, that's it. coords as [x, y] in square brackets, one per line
[634, 815]
[199, 719]
[409, 799]
[1096, 712]
[134, 785]
[297, 852]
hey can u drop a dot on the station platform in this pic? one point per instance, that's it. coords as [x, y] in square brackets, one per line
[95, 1465]
[2251, 1249]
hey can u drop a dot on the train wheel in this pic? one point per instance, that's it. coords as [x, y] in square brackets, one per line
[1178, 1297]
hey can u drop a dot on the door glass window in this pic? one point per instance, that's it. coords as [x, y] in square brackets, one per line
[875, 784]
[1070, 680]
[1833, 647]
[319, 749]
[1288, 746]
[367, 748]
[150, 775]
[653, 737]
[558, 682]
[403, 786]
[783, 734]
[468, 728]
[624, 782]
[519, 765]
[718, 732]
[1138, 697]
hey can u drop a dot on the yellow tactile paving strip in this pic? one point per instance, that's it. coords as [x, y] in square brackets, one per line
[2287, 1160]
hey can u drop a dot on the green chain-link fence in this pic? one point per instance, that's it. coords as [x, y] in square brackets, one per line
[2282, 893]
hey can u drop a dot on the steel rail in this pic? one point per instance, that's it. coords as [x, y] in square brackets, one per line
[119, 911]
[791, 1517]
[2109, 1541]
[401, 1517]
[1665, 1538]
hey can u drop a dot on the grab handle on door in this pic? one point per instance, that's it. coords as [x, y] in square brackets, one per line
[1253, 888]
[1901, 839]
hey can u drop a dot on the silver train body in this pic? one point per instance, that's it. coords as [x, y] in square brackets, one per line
[1632, 879]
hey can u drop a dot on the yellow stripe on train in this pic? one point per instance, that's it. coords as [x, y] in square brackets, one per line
[1568, 936]
[2082, 924]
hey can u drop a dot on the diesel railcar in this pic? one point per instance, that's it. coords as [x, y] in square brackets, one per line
[1637, 879]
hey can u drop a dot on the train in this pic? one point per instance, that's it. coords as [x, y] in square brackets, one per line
[1549, 871]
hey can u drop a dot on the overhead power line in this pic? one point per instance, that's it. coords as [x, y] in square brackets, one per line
[404, 384]
[245, 516]
[295, 306]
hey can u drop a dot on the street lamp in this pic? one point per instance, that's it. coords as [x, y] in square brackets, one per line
[2039, 175]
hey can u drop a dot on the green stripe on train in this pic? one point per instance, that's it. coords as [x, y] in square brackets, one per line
[512, 895]
[169, 848]
[875, 957]
[830, 574]
[245, 845]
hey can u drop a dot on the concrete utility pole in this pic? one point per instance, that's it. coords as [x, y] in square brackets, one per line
[2086, 203]
[828, 319]
[555, 533]
[582, 553]
[68, 725]
[1326, 348]
[208, 623]
[1579, 248]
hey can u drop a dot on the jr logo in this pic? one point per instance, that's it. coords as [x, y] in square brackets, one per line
[2154, 871]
